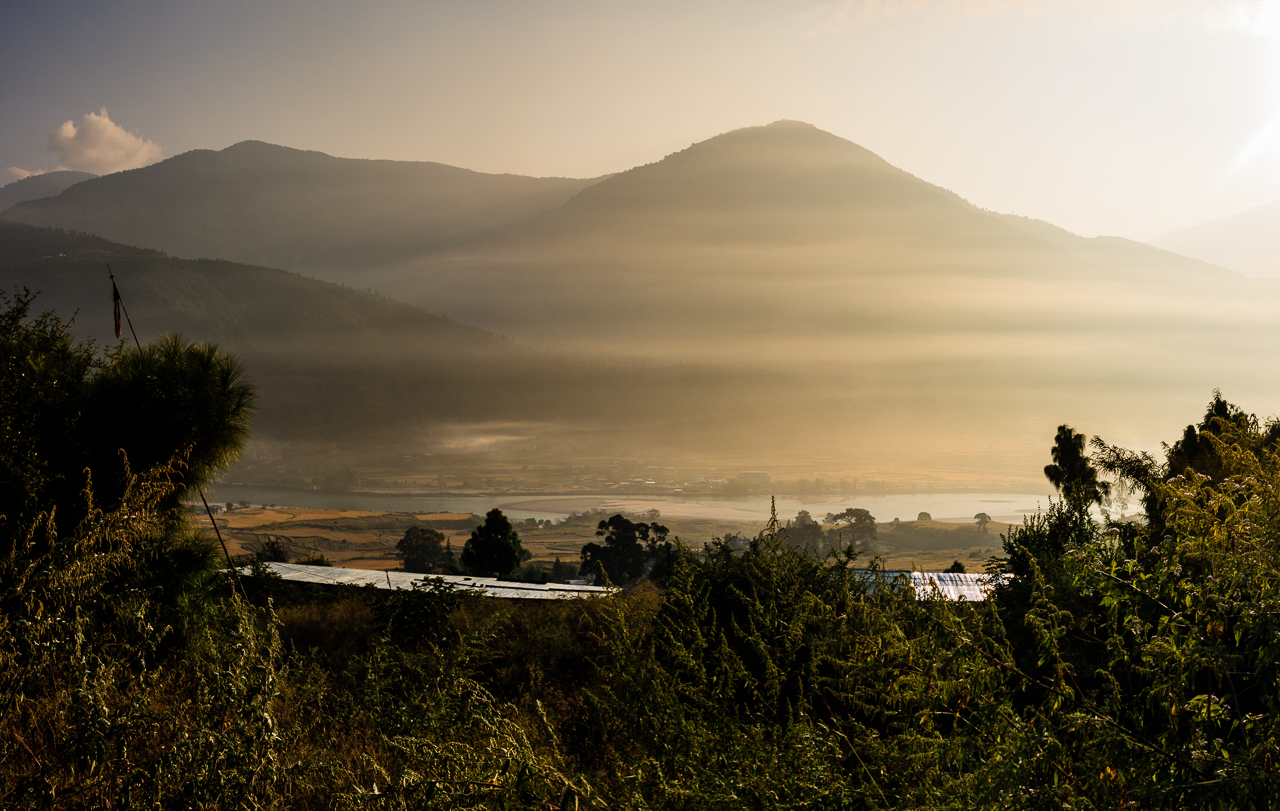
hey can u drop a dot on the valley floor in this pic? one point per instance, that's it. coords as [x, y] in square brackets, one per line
[366, 539]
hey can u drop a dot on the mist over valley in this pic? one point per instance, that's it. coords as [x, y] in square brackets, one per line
[771, 298]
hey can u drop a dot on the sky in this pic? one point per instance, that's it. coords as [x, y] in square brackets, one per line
[1123, 117]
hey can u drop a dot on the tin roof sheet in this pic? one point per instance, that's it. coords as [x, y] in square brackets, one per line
[488, 586]
[970, 587]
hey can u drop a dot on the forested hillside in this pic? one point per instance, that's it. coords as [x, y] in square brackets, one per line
[38, 186]
[944, 337]
[270, 205]
[336, 364]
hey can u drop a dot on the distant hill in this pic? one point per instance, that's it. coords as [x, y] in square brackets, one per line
[786, 225]
[1248, 242]
[38, 186]
[1136, 260]
[270, 205]
[943, 335]
[339, 365]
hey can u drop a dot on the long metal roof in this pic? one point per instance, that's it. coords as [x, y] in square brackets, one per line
[488, 586]
[971, 587]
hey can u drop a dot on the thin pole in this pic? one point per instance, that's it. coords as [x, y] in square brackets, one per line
[230, 563]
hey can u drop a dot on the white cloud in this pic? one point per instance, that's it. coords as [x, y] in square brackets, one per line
[101, 146]
[22, 174]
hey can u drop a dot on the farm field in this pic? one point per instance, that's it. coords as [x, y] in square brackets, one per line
[366, 539]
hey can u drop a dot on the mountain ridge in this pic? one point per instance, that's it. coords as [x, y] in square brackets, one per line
[35, 187]
[1247, 242]
[296, 209]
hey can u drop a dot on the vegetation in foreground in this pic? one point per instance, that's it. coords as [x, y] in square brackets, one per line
[1127, 665]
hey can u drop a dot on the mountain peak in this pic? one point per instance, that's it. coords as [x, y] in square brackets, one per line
[788, 140]
[786, 166]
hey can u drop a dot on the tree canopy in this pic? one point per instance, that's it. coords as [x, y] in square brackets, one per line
[860, 526]
[424, 550]
[494, 548]
[72, 414]
[629, 553]
[1071, 472]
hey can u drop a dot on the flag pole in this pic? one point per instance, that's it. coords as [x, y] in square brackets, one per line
[117, 304]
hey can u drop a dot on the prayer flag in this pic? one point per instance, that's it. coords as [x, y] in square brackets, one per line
[115, 303]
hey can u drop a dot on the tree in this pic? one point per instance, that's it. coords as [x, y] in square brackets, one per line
[982, 519]
[561, 572]
[955, 568]
[74, 421]
[924, 517]
[272, 551]
[44, 372]
[165, 395]
[860, 524]
[804, 532]
[494, 547]
[1199, 451]
[423, 550]
[630, 551]
[87, 436]
[1071, 472]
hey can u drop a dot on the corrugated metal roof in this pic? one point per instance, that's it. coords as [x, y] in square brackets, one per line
[488, 586]
[971, 587]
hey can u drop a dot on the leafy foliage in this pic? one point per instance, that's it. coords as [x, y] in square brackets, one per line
[494, 547]
[859, 526]
[1113, 666]
[1072, 473]
[43, 375]
[631, 551]
[423, 550]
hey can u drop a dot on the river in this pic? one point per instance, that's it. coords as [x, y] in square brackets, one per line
[950, 507]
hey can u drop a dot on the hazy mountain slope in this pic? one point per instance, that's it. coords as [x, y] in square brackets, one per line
[788, 228]
[271, 205]
[333, 363]
[1134, 259]
[37, 186]
[1248, 242]
[788, 182]
[937, 330]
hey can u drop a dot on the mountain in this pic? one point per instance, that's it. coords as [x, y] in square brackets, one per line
[271, 205]
[1248, 242]
[942, 335]
[784, 233]
[886, 323]
[784, 224]
[38, 186]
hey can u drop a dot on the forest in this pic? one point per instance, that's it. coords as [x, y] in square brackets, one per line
[1115, 664]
